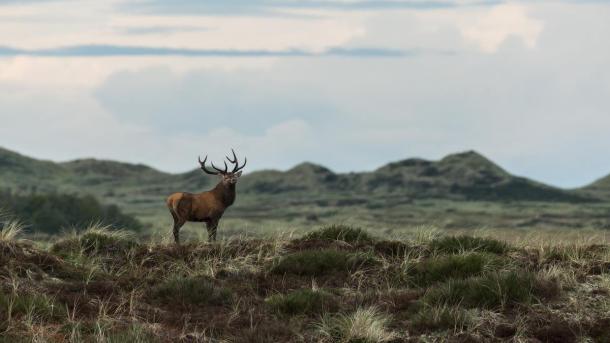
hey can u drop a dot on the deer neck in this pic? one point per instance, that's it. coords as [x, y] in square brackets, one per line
[225, 193]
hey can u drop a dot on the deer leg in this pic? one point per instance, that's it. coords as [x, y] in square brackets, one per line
[177, 225]
[212, 226]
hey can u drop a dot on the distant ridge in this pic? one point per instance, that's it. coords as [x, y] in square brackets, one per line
[462, 176]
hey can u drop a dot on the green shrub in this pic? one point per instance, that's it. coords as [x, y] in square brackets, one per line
[493, 290]
[50, 212]
[452, 267]
[340, 233]
[303, 301]
[191, 291]
[457, 244]
[320, 262]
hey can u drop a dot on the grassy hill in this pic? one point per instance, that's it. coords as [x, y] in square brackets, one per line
[460, 190]
[465, 176]
[335, 284]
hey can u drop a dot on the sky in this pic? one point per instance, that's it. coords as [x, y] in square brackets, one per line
[349, 84]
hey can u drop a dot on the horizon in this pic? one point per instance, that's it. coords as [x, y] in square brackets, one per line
[312, 163]
[350, 85]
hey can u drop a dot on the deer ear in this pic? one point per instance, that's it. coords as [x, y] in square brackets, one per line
[238, 174]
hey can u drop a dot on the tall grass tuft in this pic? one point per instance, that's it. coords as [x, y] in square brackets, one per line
[458, 244]
[441, 317]
[96, 239]
[365, 325]
[10, 229]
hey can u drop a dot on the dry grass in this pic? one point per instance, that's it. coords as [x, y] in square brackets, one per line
[104, 286]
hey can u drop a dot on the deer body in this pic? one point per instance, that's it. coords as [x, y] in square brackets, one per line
[207, 207]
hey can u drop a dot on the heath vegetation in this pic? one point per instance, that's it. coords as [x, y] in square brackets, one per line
[334, 284]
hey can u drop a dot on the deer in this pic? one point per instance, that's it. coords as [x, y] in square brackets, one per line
[207, 207]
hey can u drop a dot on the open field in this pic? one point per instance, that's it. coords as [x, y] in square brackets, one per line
[335, 284]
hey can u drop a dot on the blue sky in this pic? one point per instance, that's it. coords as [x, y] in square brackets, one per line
[350, 84]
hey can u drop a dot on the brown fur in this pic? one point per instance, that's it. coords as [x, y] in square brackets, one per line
[207, 207]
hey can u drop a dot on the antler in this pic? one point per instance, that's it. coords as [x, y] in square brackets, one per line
[207, 171]
[221, 171]
[234, 161]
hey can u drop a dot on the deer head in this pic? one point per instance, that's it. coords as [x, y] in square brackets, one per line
[228, 177]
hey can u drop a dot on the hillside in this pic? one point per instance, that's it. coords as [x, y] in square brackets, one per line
[466, 190]
[464, 176]
[600, 188]
[335, 284]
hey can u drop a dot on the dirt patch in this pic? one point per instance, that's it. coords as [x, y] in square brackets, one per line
[600, 331]
[504, 330]
[555, 332]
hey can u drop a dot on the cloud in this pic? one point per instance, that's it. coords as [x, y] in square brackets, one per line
[280, 7]
[159, 29]
[492, 27]
[201, 101]
[121, 50]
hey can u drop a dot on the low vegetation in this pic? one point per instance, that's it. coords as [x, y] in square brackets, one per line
[49, 213]
[335, 284]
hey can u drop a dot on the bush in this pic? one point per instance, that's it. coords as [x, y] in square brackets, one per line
[493, 290]
[303, 301]
[457, 244]
[51, 212]
[339, 233]
[188, 291]
[452, 267]
[320, 262]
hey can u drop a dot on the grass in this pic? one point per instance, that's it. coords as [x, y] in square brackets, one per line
[365, 325]
[10, 229]
[104, 286]
[312, 262]
[303, 301]
[457, 244]
[96, 239]
[190, 291]
[31, 305]
[442, 268]
[441, 318]
[343, 233]
[494, 290]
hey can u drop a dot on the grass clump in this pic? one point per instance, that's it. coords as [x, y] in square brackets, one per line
[10, 229]
[132, 334]
[187, 291]
[452, 267]
[440, 318]
[97, 239]
[366, 325]
[457, 244]
[320, 262]
[32, 305]
[494, 290]
[303, 301]
[339, 233]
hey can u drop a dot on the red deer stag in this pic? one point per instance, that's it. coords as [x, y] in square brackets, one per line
[207, 207]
